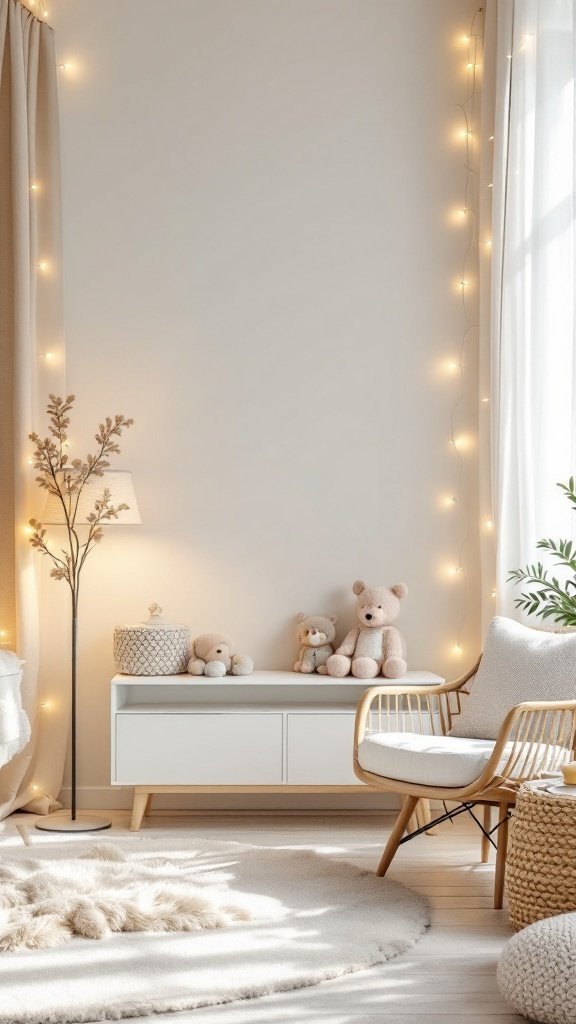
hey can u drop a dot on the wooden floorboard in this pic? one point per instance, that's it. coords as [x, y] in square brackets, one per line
[446, 978]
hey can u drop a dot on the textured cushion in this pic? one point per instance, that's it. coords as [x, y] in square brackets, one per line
[537, 970]
[452, 761]
[518, 664]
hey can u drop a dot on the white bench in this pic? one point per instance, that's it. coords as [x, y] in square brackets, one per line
[270, 732]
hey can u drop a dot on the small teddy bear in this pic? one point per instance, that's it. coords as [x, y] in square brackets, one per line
[315, 633]
[374, 646]
[214, 654]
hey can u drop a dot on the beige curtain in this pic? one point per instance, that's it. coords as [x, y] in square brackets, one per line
[31, 365]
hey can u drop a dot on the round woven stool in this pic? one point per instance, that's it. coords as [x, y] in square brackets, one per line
[537, 970]
[541, 860]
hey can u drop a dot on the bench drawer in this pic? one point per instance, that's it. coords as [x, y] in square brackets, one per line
[320, 749]
[186, 749]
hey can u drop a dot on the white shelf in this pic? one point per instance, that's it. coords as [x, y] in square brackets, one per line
[265, 677]
[157, 708]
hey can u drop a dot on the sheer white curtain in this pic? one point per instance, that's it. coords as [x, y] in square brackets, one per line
[532, 319]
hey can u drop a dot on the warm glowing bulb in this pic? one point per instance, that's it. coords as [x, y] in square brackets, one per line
[493, 594]
[491, 138]
[455, 570]
[3, 634]
[66, 66]
[463, 284]
[484, 399]
[465, 39]
[491, 184]
[450, 501]
[457, 649]
[45, 705]
[34, 188]
[488, 523]
[45, 15]
[508, 56]
[470, 66]
[460, 443]
[30, 462]
[48, 356]
[43, 266]
[35, 788]
[453, 366]
[465, 133]
[487, 241]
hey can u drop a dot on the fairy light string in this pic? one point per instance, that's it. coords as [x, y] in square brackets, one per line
[468, 216]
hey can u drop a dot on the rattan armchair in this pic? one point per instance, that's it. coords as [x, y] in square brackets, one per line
[535, 737]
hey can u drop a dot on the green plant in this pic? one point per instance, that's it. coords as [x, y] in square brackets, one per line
[551, 598]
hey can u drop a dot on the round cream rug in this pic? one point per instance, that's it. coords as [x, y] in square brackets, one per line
[257, 921]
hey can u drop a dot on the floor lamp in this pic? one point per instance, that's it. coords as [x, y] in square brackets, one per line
[113, 488]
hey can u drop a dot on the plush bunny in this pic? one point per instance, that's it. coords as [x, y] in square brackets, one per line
[375, 645]
[315, 633]
[214, 654]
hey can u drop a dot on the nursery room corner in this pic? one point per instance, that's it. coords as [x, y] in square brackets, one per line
[287, 545]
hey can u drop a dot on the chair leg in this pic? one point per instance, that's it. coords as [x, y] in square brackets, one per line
[396, 834]
[413, 822]
[425, 815]
[501, 857]
[485, 843]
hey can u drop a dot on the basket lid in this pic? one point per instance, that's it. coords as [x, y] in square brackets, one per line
[154, 621]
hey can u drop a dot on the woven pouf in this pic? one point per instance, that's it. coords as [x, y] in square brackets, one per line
[541, 860]
[537, 971]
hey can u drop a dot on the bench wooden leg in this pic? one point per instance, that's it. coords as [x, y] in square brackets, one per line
[501, 857]
[148, 807]
[138, 809]
[393, 843]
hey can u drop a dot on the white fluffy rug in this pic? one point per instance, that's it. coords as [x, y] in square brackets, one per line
[176, 923]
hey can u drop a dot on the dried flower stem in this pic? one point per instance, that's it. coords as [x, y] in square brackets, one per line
[66, 481]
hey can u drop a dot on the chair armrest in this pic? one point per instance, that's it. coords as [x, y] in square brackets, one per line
[540, 734]
[433, 695]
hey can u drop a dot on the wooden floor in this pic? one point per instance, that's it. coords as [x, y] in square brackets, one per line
[448, 977]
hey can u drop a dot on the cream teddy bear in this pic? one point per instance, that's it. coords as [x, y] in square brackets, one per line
[374, 646]
[315, 633]
[214, 654]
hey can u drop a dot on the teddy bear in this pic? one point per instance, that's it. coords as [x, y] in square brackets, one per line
[375, 645]
[214, 654]
[315, 634]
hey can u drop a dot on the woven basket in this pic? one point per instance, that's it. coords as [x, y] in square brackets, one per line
[541, 859]
[152, 648]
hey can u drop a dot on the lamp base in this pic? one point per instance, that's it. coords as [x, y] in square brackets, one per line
[65, 823]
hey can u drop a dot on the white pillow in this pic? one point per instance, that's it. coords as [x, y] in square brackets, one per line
[518, 664]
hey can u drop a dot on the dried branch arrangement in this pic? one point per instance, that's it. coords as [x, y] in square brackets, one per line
[66, 481]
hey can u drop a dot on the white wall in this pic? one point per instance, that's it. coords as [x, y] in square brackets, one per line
[259, 267]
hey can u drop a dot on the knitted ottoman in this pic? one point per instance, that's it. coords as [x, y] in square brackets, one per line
[537, 970]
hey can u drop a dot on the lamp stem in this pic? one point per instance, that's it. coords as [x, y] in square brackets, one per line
[73, 701]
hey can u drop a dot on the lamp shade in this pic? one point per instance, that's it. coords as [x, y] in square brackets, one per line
[118, 482]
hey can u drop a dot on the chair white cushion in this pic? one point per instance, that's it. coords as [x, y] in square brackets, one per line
[443, 761]
[518, 664]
